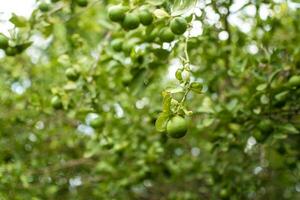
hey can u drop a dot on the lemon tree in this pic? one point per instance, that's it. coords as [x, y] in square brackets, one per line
[151, 99]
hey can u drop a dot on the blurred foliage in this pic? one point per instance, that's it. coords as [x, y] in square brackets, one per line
[80, 97]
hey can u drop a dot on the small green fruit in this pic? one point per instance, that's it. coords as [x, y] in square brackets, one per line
[11, 51]
[3, 42]
[56, 103]
[266, 126]
[166, 35]
[196, 87]
[44, 7]
[116, 13]
[116, 44]
[131, 21]
[72, 74]
[97, 122]
[177, 127]
[178, 25]
[82, 3]
[146, 17]
[294, 81]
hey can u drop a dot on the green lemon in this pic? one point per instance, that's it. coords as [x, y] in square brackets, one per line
[11, 51]
[116, 13]
[177, 127]
[44, 7]
[3, 42]
[82, 3]
[294, 81]
[166, 35]
[131, 21]
[178, 25]
[56, 103]
[116, 44]
[96, 122]
[266, 126]
[72, 74]
[146, 17]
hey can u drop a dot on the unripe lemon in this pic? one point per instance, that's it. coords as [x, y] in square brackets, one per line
[146, 17]
[96, 122]
[116, 44]
[131, 21]
[72, 74]
[3, 42]
[82, 3]
[56, 102]
[116, 13]
[266, 126]
[177, 127]
[11, 51]
[166, 35]
[178, 25]
[44, 7]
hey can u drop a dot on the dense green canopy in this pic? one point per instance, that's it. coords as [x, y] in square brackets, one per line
[151, 99]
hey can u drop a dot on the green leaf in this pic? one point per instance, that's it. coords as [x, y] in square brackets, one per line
[22, 47]
[289, 128]
[282, 95]
[167, 102]
[155, 2]
[180, 7]
[261, 87]
[174, 90]
[159, 13]
[161, 122]
[207, 122]
[274, 74]
[18, 21]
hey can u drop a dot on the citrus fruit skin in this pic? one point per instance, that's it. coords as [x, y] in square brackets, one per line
[116, 13]
[11, 51]
[56, 103]
[266, 126]
[294, 81]
[96, 122]
[3, 42]
[116, 45]
[166, 35]
[146, 17]
[44, 7]
[82, 3]
[177, 127]
[178, 25]
[131, 21]
[72, 74]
